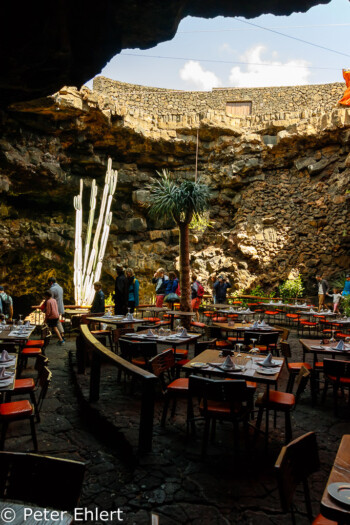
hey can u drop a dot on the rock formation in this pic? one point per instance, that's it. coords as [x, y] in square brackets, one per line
[279, 181]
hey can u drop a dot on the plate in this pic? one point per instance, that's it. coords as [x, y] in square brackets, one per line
[340, 492]
[273, 364]
[6, 377]
[199, 365]
[267, 371]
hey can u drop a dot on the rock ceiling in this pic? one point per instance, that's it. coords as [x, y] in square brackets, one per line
[46, 45]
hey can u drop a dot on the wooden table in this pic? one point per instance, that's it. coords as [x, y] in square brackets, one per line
[174, 342]
[116, 322]
[23, 514]
[313, 346]
[244, 327]
[20, 338]
[340, 472]
[172, 314]
[250, 372]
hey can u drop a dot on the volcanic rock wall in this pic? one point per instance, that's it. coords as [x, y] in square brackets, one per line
[279, 186]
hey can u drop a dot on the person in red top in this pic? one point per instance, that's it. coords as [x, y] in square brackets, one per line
[52, 315]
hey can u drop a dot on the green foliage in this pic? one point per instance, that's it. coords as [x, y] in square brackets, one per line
[345, 303]
[257, 291]
[291, 288]
[338, 281]
[200, 223]
[180, 199]
[109, 301]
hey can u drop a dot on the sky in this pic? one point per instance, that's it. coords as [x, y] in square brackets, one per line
[231, 52]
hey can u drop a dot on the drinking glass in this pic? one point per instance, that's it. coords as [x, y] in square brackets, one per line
[254, 350]
[238, 348]
[20, 319]
[332, 340]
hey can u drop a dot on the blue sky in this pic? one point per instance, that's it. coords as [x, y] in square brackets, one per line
[226, 52]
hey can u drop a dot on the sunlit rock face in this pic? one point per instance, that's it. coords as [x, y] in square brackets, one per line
[46, 45]
[279, 182]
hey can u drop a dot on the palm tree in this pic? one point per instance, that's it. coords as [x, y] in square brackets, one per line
[181, 201]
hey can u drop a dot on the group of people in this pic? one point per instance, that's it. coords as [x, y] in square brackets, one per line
[337, 295]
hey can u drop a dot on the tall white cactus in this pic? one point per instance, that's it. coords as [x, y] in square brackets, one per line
[87, 270]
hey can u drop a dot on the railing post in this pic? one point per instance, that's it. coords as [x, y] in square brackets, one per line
[95, 376]
[146, 415]
[80, 354]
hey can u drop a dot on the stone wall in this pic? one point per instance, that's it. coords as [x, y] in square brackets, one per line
[265, 100]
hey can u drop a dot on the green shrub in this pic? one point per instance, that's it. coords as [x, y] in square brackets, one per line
[257, 291]
[345, 304]
[291, 288]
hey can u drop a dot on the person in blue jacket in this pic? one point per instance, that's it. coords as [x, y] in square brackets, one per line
[346, 289]
[134, 285]
[170, 289]
[220, 288]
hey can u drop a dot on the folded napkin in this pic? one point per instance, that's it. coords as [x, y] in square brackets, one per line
[2, 372]
[340, 345]
[248, 311]
[27, 324]
[268, 360]
[255, 324]
[183, 333]
[263, 323]
[228, 363]
[312, 311]
[150, 333]
[129, 317]
[4, 356]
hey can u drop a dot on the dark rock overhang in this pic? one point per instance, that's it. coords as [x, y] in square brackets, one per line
[46, 45]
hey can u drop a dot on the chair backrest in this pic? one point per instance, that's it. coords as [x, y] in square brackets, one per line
[283, 331]
[44, 383]
[296, 461]
[200, 346]
[41, 480]
[301, 381]
[248, 336]
[235, 393]
[212, 331]
[40, 363]
[163, 366]
[285, 349]
[336, 368]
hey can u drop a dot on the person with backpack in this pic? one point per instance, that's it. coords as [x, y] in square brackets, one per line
[172, 285]
[6, 304]
[159, 279]
[134, 285]
[220, 288]
[197, 292]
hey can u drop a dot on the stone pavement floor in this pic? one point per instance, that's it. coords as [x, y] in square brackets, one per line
[172, 481]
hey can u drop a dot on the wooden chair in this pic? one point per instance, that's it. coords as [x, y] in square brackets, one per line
[220, 400]
[163, 366]
[295, 463]
[336, 373]
[265, 341]
[27, 386]
[39, 343]
[281, 402]
[200, 346]
[41, 480]
[138, 353]
[293, 368]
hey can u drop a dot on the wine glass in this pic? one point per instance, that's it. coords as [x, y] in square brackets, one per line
[238, 348]
[332, 339]
[243, 319]
[254, 350]
[20, 319]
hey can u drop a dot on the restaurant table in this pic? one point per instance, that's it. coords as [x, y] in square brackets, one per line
[245, 327]
[314, 347]
[14, 513]
[250, 371]
[172, 314]
[237, 312]
[78, 311]
[116, 320]
[340, 473]
[172, 340]
[14, 334]
[10, 369]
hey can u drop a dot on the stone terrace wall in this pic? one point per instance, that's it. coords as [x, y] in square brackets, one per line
[264, 100]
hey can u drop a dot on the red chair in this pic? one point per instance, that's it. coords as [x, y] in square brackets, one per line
[293, 368]
[16, 411]
[163, 366]
[336, 373]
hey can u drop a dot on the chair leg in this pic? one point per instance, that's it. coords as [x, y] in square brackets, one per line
[335, 399]
[288, 426]
[3, 434]
[213, 430]
[205, 436]
[258, 422]
[173, 407]
[32, 428]
[165, 410]
[35, 404]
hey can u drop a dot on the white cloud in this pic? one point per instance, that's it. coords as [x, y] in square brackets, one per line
[293, 72]
[194, 73]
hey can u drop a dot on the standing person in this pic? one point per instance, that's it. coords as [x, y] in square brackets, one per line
[322, 291]
[336, 299]
[197, 292]
[220, 288]
[57, 294]
[212, 281]
[346, 289]
[52, 315]
[98, 304]
[171, 286]
[133, 290]
[121, 291]
[6, 304]
[159, 280]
